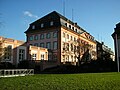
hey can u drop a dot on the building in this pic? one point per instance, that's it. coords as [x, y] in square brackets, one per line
[65, 40]
[116, 37]
[104, 52]
[14, 51]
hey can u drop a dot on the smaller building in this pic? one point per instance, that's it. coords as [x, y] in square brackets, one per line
[14, 51]
[104, 52]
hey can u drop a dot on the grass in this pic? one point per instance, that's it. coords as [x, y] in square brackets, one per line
[89, 81]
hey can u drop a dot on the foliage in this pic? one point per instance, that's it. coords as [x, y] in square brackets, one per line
[91, 81]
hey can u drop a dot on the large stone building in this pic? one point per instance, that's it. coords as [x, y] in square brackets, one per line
[64, 39]
[14, 51]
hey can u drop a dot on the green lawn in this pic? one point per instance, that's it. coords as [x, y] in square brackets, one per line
[89, 81]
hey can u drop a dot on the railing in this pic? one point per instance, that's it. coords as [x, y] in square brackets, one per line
[15, 72]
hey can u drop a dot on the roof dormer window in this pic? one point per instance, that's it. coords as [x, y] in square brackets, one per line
[33, 27]
[42, 25]
[51, 23]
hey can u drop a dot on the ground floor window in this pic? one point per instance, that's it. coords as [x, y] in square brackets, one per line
[34, 56]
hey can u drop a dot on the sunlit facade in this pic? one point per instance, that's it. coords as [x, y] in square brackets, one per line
[64, 39]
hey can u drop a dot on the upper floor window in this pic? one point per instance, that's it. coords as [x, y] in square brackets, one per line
[31, 38]
[71, 38]
[67, 36]
[54, 34]
[73, 28]
[63, 34]
[66, 24]
[48, 35]
[41, 44]
[48, 45]
[42, 36]
[42, 25]
[36, 37]
[51, 23]
[55, 45]
[70, 26]
[33, 26]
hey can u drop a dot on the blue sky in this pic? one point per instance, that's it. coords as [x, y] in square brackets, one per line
[98, 17]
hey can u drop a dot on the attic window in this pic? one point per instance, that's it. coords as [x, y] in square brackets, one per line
[42, 25]
[51, 23]
[33, 27]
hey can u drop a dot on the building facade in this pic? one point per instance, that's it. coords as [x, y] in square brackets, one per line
[64, 39]
[14, 51]
[104, 52]
[116, 37]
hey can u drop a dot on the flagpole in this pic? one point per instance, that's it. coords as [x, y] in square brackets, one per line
[117, 51]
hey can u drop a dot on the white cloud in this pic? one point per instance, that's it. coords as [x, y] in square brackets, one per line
[27, 13]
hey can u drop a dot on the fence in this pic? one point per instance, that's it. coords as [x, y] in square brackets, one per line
[15, 72]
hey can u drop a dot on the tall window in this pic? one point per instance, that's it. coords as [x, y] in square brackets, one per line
[48, 35]
[54, 34]
[36, 37]
[34, 56]
[8, 53]
[42, 56]
[31, 38]
[55, 45]
[48, 45]
[71, 38]
[21, 54]
[41, 44]
[67, 36]
[63, 34]
[42, 25]
[42, 36]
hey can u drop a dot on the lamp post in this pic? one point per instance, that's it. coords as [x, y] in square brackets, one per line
[117, 55]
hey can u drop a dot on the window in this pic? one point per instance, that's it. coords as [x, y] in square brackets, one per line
[66, 24]
[55, 45]
[36, 44]
[54, 34]
[34, 56]
[48, 35]
[42, 56]
[71, 38]
[41, 44]
[63, 34]
[73, 28]
[70, 26]
[51, 23]
[42, 25]
[8, 53]
[21, 54]
[74, 39]
[36, 37]
[71, 47]
[63, 58]
[33, 27]
[48, 45]
[31, 38]
[67, 36]
[42, 36]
